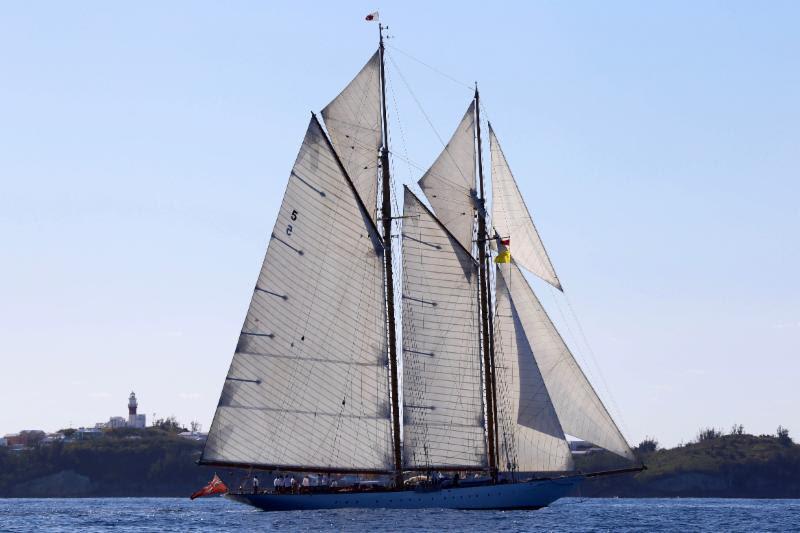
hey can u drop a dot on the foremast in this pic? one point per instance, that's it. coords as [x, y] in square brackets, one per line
[485, 305]
[386, 223]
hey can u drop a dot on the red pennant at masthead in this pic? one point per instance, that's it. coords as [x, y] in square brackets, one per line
[372, 17]
[215, 486]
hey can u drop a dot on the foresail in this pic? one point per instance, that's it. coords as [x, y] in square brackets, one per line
[353, 120]
[449, 184]
[307, 387]
[529, 433]
[442, 394]
[512, 220]
[579, 409]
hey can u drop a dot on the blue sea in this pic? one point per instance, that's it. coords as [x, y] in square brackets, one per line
[568, 514]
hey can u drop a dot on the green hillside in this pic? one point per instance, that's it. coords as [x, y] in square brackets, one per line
[148, 462]
[737, 466]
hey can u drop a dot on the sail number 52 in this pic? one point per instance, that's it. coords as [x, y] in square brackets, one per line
[289, 228]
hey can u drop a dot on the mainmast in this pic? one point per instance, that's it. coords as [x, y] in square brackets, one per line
[386, 218]
[488, 341]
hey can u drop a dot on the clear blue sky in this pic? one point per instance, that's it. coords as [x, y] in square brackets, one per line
[144, 149]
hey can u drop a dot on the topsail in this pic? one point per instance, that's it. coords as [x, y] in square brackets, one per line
[353, 120]
[450, 182]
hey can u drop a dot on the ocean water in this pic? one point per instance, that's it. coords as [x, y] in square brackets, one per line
[568, 514]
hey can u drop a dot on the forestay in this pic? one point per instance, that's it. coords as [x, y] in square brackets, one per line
[442, 404]
[449, 184]
[512, 220]
[308, 383]
[353, 120]
[529, 433]
[579, 409]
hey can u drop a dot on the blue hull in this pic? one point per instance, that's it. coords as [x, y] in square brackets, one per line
[527, 495]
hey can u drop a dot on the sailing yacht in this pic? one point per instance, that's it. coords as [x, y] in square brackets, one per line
[458, 391]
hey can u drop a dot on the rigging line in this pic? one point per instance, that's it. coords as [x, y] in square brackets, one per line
[509, 434]
[434, 69]
[427, 118]
[397, 226]
[416, 100]
[402, 133]
[585, 367]
[485, 112]
[423, 170]
[618, 415]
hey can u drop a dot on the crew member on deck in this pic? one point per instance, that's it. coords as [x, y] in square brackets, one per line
[277, 483]
[287, 483]
[255, 484]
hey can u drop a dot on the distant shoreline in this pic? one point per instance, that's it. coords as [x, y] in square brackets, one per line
[161, 464]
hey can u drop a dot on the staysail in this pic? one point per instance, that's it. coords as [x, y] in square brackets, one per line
[512, 220]
[353, 120]
[449, 184]
[529, 434]
[442, 405]
[307, 388]
[579, 409]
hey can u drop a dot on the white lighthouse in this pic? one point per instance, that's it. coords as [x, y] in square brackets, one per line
[134, 420]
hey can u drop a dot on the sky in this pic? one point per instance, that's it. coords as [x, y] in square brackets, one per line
[145, 147]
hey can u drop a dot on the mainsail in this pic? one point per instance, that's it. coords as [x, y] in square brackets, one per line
[443, 417]
[579, 409]
[449, 184]
[353, 120]
[308, 385]
[530, 436]
[511, 218]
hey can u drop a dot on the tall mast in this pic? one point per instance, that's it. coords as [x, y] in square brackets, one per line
[386, 218]
[488, 341]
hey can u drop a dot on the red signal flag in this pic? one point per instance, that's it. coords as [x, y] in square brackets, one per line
[215, 486]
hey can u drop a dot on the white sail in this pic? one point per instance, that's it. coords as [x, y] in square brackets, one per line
[530, 437]
[579, 409]
[511, 219]
[449, 184]
[308, 383]
[442, 403]
[353, 120]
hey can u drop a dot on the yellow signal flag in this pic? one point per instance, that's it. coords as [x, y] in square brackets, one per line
[504, 252]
